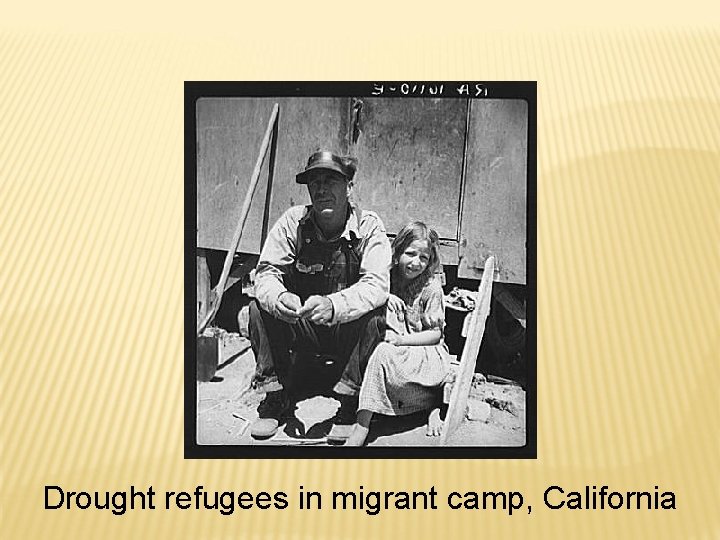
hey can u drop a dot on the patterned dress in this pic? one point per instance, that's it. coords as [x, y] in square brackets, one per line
[401, 380]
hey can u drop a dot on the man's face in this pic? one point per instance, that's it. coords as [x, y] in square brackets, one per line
[329, 193]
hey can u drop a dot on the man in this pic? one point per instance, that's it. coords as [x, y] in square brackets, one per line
[320, 284]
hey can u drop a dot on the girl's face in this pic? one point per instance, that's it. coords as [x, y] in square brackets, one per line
[414, 260]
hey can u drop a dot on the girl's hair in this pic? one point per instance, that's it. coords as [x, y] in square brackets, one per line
[411, 232]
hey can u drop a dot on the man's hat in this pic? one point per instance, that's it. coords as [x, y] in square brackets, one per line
[346, 166]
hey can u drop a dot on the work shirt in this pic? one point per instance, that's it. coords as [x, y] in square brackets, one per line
[280, 252]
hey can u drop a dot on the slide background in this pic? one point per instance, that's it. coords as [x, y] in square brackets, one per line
[91, 244]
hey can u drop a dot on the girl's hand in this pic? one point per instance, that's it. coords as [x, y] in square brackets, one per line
[395, 303]
[393, 338]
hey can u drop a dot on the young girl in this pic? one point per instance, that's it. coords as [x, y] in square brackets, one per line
[404, 373]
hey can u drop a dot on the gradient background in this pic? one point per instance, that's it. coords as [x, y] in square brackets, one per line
[91, 252]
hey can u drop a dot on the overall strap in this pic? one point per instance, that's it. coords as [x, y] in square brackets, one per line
[301, 223]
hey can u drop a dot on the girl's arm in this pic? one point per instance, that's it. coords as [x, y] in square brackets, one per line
[426, 337]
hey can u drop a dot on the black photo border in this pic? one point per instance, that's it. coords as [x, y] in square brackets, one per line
[194, 90]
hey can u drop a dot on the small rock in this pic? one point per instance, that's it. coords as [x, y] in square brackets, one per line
[478, 411]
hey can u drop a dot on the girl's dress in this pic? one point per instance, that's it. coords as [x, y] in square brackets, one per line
[401, 380]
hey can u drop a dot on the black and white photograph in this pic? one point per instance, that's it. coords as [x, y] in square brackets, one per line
[360, 269]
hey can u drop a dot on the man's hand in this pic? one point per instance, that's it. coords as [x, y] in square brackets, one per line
[396, 304]
[319, 309]
[288, 305]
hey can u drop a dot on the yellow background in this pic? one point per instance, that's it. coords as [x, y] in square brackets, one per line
[91, 256]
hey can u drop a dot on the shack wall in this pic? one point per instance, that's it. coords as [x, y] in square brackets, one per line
[229, 134]
[458, 165]
[494, 219]
[410, 153]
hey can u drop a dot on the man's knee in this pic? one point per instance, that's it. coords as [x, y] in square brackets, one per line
[257, 321]
[264, 324]
[258, 315]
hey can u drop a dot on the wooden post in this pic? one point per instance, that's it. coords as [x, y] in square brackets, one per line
[220, 287]
[271, 175]
[463, 381]
[203, 285]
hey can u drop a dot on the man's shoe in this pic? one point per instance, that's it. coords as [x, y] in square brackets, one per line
[264, 428]
[273, 409]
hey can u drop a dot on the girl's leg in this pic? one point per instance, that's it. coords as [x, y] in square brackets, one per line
[360, 429]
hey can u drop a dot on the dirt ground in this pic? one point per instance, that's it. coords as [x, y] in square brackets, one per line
[227, 406]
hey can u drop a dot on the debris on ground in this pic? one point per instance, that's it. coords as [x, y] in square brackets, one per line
[503, 398]
[502, 405]
[227, 406]
[460, 299]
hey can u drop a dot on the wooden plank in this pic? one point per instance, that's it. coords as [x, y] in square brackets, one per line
[268, 190]
[410, 157]
[229, 132]
[494, 205]
[463, 381]
[244, 211]
[203, 285]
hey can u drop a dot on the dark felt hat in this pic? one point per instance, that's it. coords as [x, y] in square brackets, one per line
[346, 166]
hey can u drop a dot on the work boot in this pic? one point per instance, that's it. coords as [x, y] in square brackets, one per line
[273, 410]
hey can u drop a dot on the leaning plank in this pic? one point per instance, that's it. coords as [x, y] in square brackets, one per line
[203, 285]
[219, 289]
[463, 381]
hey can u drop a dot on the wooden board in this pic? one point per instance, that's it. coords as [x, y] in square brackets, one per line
[203, 285]
[229, 133]
[494, 207]
[463, 380]
[410, 156]
[306, 126]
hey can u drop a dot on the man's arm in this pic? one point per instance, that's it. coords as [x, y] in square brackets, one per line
[277, 255]
[371, 291]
